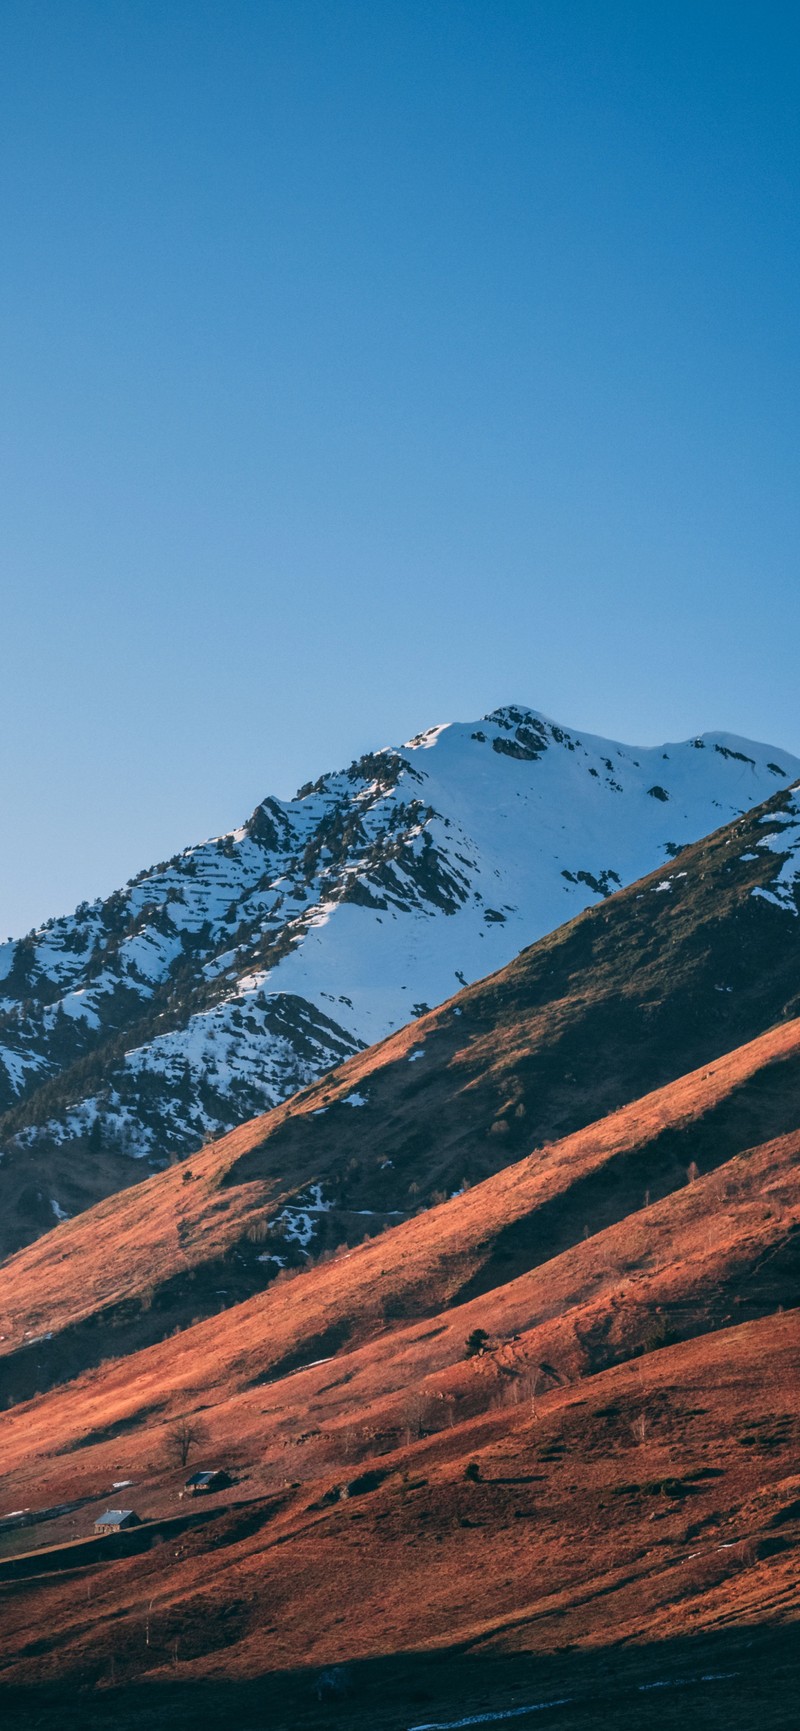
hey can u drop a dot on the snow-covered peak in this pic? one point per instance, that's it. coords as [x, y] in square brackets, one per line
[219, 982]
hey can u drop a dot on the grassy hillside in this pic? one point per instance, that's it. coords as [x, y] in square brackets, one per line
[631, 995]
[653, 1507]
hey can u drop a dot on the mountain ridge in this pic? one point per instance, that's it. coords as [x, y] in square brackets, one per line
[223, 982]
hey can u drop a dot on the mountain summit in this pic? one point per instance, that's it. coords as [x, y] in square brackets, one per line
[219, 983]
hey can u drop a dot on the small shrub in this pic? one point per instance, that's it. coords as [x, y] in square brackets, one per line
[660, 1334]
[472, 1472]
[366, 1482]
[476, 1342]
[333, 1685]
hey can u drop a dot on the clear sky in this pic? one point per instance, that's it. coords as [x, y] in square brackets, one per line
[369, 363]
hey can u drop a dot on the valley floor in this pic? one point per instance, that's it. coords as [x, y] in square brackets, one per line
[624, 1555]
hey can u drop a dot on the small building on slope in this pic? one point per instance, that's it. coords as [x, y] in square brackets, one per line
[201, 1483]
[116, 1521]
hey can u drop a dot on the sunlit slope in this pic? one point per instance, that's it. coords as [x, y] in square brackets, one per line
[630, 995]
[488, 1506]
[528, 1255]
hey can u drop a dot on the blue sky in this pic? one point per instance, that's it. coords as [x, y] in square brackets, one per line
[368, 365]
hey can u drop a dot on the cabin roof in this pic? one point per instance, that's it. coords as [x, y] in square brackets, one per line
[112, 1517]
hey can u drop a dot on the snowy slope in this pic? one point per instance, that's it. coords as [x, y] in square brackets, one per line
[216, 985]
[782, 836]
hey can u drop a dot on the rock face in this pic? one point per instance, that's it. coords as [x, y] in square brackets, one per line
[218, 984]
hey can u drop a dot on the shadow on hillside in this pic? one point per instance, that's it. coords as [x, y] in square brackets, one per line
[742, 1679]
[761, 1108]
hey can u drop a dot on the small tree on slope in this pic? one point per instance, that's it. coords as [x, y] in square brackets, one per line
[185, 1435]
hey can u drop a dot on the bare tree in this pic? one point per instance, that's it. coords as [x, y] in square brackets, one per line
[640, 1428]
[349, 1438]
[185, 1435]
[415, 1409]
[534, 1385]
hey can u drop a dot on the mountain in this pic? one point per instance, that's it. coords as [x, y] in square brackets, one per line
[658, 980]
[494, 1328]
[222, 982]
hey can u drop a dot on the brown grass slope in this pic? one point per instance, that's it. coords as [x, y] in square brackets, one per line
[622, 1000]
[657, 1501]
[722, 1246]
[630, 1426]
[517, 1221]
